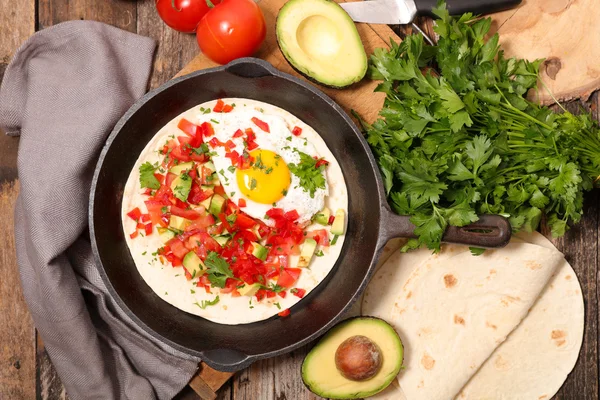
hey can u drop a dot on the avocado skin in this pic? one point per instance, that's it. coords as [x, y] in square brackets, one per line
[305, 74]
[359, 394]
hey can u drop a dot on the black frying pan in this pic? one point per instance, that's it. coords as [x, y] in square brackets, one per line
[371, 223]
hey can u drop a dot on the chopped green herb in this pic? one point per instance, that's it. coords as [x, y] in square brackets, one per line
[231, 194]
[261, 110]
[334, 240]
[144, 253]
[206, 303]
[269, 170]
[284, 192]
[231, 169]
[202, 149]
[147, 178]
[204, 110]
[252, 184]
[192, 291]
[311, 177]
[164, 209]
[218, 269]
[182, 190]
[166, 293]
[278, 305]
[214, 121]
[319, 253]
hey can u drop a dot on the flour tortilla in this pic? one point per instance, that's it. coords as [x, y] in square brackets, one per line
[452, 310]
[170, 283]
[537, 357]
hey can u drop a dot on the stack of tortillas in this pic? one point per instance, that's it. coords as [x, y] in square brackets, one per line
[504, 325]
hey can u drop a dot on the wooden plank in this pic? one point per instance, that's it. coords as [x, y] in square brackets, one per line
[48, 384]
[581, 248]
[17, 356]
[121, 14]
[175, 49]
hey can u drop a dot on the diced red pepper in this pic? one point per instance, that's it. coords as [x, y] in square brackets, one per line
[321, 162]
[148, 229]
[241, 202]
[135, 214]
[227, 108]
[291, 215]
[298, 292]
[234, 156]
[284, 313]
[219, 106]
[140, 226]
[238, 133]
[207, 129]
[282, 294]
[229, 145]
[261, 124]
[297, 131]
[244, 222]
[331, 219]
[134, 234]
[188, 127]
[145, 218]
[214, 142]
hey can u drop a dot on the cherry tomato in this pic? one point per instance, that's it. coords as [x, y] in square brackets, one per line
[183, 15]
[233, 29]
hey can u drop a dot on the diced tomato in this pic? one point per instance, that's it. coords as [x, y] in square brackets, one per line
[219, 106]
[181, 153]
[148, 229]
[320, 235]
[282, 294]
[271, 294]
[207, 129]
[230, 285]
[197, 194]
[215, 229]
[202, 223]
[298, 292]
[134, 234]
[284, 313]
[174, 260]
[321, 162]
[275, 213]
[297, 131]
[250, 139]
[188, 276]
[201, 158]
[234, 156]
[135, 214]
[140, 226]
[184, 139]
[170, 178]
[182, 212]
[288, 277]
[145, 218]
[261, 124]
[204, 282]
[291, 215]
[238, 133]
[330, 220]
[229, 145]
[241, 203]
[227, 108]
[244, 222]
[203, 243]
[178, 247]
[261, 294]
[159, 177]
[148, 191]
[214, 142]
[224, 222]
[219, 189]
[188, 127]
[180, 204]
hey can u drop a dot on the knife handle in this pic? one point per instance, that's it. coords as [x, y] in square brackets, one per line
[456, 7]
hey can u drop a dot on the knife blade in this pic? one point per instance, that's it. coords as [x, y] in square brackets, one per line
[404, 11]
[381, 11]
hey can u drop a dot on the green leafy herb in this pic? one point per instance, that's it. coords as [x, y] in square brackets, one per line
[334, 240]
[311, 177]
[206, 303]
[147, 178]
[252, 184]
[202, 149]
[205, 110]
[164, 209]
[218, 269]
[231, 169]
[183, 187]
[463, 140]
[214, 121]
[192, 291]
[278, 305]
[319, 253]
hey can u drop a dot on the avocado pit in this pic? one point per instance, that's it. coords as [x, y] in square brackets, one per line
[358, 358]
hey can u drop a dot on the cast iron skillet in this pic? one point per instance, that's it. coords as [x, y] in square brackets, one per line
[370, 221]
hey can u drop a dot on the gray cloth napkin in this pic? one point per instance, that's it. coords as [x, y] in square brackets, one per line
[63, 92]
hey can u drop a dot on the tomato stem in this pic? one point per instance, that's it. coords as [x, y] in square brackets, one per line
[210, 4]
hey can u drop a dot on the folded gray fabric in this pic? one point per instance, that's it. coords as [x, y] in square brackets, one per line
[63, 92]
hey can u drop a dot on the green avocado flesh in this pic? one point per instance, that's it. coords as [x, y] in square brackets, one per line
[321, 375]
[319, 39]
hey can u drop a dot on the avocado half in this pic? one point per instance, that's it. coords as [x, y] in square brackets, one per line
[319, 371]
[319, 40]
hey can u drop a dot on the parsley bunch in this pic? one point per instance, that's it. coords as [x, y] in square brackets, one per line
[462, 140]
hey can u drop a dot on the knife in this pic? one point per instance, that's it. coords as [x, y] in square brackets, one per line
[404, 11]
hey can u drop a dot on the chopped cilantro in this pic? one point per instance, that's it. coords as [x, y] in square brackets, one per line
[319, 253]
[231, 194]
[218, 269]
[311, 177]
[164, 210]
[192, 291]
[289, 138]
[252, 184]
[334, 240]
[231, 169]
[284, 192]
[214, 121]
[269, 170]
[202, 149]
[182, 190]
[206, 303]
[278, 305]
[144, 253]
[147, 178]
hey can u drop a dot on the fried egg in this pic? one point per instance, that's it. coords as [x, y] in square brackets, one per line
[268, 182]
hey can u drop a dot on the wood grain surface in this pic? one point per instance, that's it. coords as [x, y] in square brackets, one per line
[25, 369]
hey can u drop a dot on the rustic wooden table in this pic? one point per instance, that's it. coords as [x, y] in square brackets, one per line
[26, 371]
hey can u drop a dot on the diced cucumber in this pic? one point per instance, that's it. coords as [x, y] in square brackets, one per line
[165, 234]
[178, 222]
[193, 264]
[179, 168]
[339, 224]
[216, 205]
[323, 216]
[306, 253]
[259, 251]
[249, 290]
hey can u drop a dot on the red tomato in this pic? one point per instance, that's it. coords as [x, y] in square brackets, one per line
[201, 223]
[177, 247]
[183, 15]
[233, 29]
[320, 235]
[298, 292]
[297, 131]
[261, 124]
[182, 212]
[135, 214]
[219, 106]
[284, 313]
[288, 277]
[244, 222]
[189, 128]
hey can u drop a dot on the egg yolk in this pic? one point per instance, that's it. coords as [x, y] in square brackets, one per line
[268, 178]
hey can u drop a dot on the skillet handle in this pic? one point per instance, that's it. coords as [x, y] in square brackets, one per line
[226, 360]
[250, 67]
[491, 231]
[457, 7]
